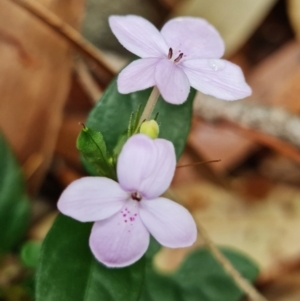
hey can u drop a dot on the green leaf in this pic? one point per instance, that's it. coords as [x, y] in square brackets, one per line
[93, 148]
[69, 272]
[92, 145]
[112, 113]
[14, 204]
[200, 277]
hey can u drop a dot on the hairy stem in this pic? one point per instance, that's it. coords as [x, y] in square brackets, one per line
[146, 115]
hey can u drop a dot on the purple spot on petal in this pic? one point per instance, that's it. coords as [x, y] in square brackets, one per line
[125, 221]
[124, 214]
[135, 214]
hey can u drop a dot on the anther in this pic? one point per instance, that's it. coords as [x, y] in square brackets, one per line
[136, 196]
[178, 58]
[170, 54]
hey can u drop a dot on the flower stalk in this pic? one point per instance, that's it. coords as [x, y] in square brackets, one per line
[150, 105]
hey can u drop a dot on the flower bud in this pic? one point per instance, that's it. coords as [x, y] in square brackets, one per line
[150, 128]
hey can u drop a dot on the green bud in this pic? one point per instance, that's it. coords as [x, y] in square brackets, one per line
[150, 128]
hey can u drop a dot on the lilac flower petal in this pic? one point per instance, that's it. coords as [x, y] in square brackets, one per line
[120, 240]
[219, 78]
[91, 199]
[194, 37]
[170, 223]
[146, 165]
[138, 36]
[138, 75]
[172, 82]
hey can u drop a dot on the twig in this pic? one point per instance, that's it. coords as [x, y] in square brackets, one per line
[272, 121]
[241, 282]
[66, 31]
[86, 80]
[206, 170]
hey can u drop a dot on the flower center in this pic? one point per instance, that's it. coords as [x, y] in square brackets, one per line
[136, 196]
[178, 58]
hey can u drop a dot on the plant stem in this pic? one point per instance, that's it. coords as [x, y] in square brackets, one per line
[146, 115]
[242, 282]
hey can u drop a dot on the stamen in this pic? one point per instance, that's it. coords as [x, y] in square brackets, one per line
[178, 58]
[170, 54]
[136, 196]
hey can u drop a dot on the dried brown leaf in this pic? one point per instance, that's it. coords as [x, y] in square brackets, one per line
[35, 70]
[266, 230]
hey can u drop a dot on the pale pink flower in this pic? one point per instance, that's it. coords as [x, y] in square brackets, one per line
[186, 52]
[125, 213]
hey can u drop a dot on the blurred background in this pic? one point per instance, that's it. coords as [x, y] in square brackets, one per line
[250, 200]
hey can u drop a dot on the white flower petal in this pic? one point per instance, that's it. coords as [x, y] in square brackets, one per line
[120, 240]
[146, 165]
[219, 78]
[194, 37]
[138, 36]
[138, 75]
[92, 199]
[170, 223]
[172, 82]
